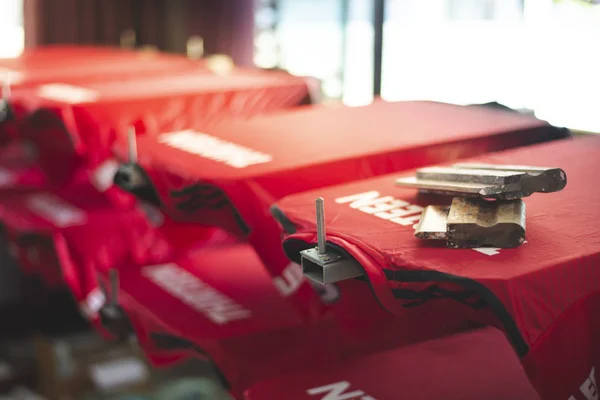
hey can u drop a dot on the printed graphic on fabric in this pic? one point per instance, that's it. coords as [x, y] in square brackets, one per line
[56, 210]
[589, 388]
[193, 198]
[67, 93]
[7, 178]
[212, 148]
[338, 391]
[203, 298]
[394, 210]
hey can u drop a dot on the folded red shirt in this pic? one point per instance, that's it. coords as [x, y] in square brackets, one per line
[231, 174]
[36, 222]
[26, 176]
[541, 294]
[65, 235]
[78, 124]
[468, 366]
[143, 236]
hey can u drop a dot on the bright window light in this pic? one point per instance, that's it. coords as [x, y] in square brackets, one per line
[534, 54]
[544, 60]
[11, 28]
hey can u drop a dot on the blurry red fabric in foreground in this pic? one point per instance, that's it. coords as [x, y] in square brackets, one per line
[468, 366]
[42, 217]
[218, 302]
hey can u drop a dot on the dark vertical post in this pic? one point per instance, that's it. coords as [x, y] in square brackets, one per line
[378, 19]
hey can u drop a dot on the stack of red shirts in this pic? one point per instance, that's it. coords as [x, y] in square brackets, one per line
[65, 235]
[231, 174]
[64, 66]
[73, 101]
[227, 176]
[544, 294]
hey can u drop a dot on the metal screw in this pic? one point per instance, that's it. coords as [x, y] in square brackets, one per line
[320, 205]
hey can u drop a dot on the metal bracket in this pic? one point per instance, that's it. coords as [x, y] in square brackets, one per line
[500, 182]
[471, 223]
[323, 266]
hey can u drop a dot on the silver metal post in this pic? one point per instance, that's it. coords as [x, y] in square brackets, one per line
[320, 204]
[132, 145]
[322, 266]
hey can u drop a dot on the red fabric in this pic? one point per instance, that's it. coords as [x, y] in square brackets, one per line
[80, 64]
[94, 236]
[468, 366]
[245, 349]
[571, 340]
[19, 177]
[17, 154]
[530, 287]
[81, 134]
[270, 339]
[75, 65]
[133, 242]
[84, 130]
[317, 147]
[16, 221]
[47, 215]
[72, 65]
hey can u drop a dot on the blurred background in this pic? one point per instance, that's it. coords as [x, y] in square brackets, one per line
[533, 54]
[539, 56]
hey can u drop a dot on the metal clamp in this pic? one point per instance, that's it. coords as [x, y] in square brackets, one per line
[323, 266]
[500, 182]
[471, 223]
